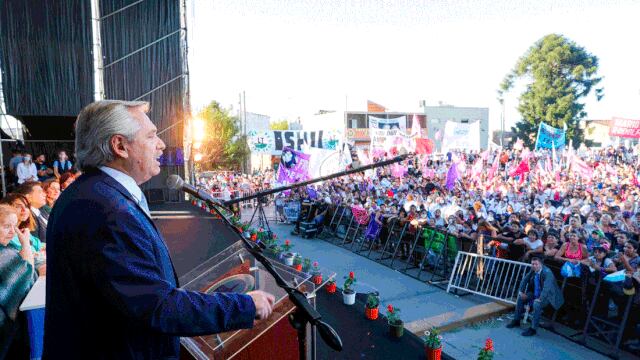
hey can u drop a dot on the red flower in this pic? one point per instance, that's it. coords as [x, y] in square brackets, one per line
[488, 346]
[315, 264]
[286, 242]
[390, 308]
[351, 275]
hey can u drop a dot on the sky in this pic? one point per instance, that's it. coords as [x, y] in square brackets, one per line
[294, 58]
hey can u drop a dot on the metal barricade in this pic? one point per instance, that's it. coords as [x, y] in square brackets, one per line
[492, 277]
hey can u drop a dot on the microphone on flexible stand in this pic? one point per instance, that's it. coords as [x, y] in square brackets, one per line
[305, 313]
[175, 182]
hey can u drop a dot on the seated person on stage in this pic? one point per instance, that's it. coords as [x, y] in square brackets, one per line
[112, 291]
[26, 222]
[17, 274]
[537, 289]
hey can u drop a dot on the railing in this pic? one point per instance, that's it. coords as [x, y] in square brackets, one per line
[492, 277]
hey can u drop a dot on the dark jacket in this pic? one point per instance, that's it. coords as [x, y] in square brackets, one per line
[111, 288]
[550, 290]
[41, 227]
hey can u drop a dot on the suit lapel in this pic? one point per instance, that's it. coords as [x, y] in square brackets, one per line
[116, 185]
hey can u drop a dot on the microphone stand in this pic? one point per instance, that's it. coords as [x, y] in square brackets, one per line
[304, 313]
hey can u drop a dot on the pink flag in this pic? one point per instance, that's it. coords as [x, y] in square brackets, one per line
[476, 170]
[415, 127]
[580, 167]
[398, 170]
[518, 144]
[494, 168]
[438, 135]
[363, 157]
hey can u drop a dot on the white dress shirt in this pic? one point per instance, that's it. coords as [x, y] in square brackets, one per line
[26, 172]
[128, 183]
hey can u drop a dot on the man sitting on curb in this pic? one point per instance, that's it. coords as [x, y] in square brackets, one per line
[538, 289]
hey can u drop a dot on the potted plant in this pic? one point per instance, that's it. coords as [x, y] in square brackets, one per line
[306, 265]
[287, 256]
[317, 275]
[486, 353]
[396, 326]
[331, 286]
[348, 294]
[371, 308]
[297, 263]
[433, 344]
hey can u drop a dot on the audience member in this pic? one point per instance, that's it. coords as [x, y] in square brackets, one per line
[62, 165]
[26, 170]
[37, 198]
[17, 274]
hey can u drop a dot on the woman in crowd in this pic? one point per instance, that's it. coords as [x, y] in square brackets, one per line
[51, 188]
[27, 222]
[17, 273]
[65, 180]
[572, 251]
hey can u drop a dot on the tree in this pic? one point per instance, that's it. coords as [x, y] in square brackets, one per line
[561, 73]
[223, 146]
[279, 125]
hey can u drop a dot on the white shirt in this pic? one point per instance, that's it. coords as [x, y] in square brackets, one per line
[126, 181]
[26, 172]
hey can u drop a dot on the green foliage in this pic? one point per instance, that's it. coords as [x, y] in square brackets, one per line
[561, 73]
[393, 315]
[373, 300]
[223, 147]
[297, 260]
[306, 264]
[279, 125]
[433, 339]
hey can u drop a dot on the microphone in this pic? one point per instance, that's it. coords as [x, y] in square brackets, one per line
[175, 182]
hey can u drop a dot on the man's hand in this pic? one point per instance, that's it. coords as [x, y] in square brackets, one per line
[263, 302]
[523, 296]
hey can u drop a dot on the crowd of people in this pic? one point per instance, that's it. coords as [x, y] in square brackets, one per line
[24, 213]
[578, 208]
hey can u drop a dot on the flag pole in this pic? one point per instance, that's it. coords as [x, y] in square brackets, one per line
[538, 137]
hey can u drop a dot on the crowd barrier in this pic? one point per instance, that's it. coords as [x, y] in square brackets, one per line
[496, 278]
[464, 266]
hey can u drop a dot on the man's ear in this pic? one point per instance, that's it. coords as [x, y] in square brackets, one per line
[118, 145]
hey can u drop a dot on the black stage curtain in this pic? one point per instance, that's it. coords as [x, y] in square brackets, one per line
[45, 55]
[143, 60]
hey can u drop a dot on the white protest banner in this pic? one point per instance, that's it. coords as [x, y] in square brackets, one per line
[461, 136]
[272, 142]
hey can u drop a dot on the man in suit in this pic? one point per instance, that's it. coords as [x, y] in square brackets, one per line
[37, 198]
[538, 289]
[112, 292]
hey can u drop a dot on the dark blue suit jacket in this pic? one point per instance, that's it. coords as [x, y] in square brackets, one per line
[111, 288]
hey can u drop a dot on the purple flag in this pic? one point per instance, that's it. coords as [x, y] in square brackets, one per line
[294, 166]
[452, 176]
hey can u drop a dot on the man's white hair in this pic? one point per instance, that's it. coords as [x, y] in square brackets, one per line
[97, 123]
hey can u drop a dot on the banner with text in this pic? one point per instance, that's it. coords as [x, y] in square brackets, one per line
[272, 142]
[548, 137]
[461, 136]
[625, 128]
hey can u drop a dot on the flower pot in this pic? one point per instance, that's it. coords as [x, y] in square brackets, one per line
[349, 297]
[371, 314]
[397, 329]
[433, 354]
[287, 259]
[298, 267]
[331, 288]
[317, 279]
